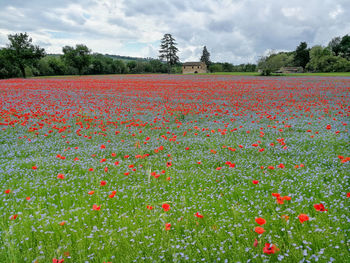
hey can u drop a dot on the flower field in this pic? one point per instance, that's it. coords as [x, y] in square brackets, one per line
[171, 168]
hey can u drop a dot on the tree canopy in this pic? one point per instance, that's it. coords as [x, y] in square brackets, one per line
[21, 52]
[205, 56]
[301, 57]
[78, 57]
[168, 50]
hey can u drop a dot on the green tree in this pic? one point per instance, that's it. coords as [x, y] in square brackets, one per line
[7, 69]
[334, 45]
[22, 53]
[78, 57]
[302, 56]
[345, 47]
[323, 60]
[168, 50]
[205, 56]
[273, 62]
[216, 67]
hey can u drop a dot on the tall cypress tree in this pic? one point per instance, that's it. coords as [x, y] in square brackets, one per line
[205, 56]
[168, 50]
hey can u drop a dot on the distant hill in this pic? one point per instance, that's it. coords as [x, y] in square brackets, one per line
[124, 58]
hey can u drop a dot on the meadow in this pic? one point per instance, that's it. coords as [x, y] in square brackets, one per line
[172, 168]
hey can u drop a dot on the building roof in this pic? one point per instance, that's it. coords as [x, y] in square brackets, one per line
[193, 64]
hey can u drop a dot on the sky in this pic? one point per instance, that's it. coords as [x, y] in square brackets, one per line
[236, 31]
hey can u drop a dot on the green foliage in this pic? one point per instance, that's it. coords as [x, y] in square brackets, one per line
[302, 56]
[323, 60]
[273, 62]
[228, 67]
[78, 57]
[334, 45]
[205, 56]
[7, 69]
[22, 53]
[217, 67]
[168, 50]
[345, 47]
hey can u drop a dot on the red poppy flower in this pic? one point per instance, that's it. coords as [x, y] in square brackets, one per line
[259, 230]
[96, 208]
[103, 183]
[320, 207]
[91, 169]
[60, 176]
[255, 244]
[270, 249]
[167, 226]
[149, 207]
[62, 223]
[7, 191]
[255, 181]
[166, 207]
[91, 192]
[13, 217]
[281, 165]
[34, 167]
[55, 260]
[28, 198]
[103, 146]
[260, 221]
[303, 218]
[198, 215]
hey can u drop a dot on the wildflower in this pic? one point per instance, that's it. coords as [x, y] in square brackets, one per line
[62, 223]
[7, 191]
[167, 226]
[91, 169]
[270, 249]
[259, 230]
[166, 207]
[60, 176]
[13, 217]
[285, 217]
[96, 208]
[34, 167]
[55, 260]
[112, 194]
[103, 183]
[198, 215]
[91, 192]
[28, 198]
[320, 207]
[255, 243]
[281, 165]
[303, 218]
[255, 181]
[260, 221]
[149, 207]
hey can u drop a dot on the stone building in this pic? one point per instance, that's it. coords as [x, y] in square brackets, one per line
[194, 67]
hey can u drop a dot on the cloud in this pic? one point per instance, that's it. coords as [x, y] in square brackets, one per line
[236, 31]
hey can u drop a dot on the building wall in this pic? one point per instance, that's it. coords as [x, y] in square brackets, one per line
[194, 69]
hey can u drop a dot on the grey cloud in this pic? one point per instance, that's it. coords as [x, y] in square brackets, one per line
[233, 30]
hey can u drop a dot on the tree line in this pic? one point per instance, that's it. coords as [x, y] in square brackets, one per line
[335, 57]
[21, 59]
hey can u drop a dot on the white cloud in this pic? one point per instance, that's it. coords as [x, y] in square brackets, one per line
[235, 31]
